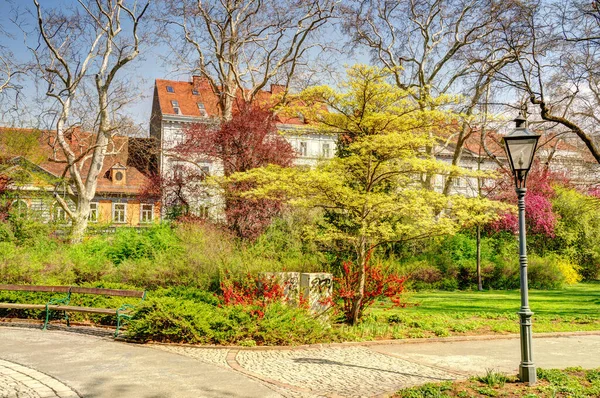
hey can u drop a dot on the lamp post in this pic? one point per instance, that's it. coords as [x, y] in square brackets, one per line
[520, 147]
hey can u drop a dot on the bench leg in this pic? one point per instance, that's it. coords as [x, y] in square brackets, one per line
[67, 318]
[47, 318]
[118, 324]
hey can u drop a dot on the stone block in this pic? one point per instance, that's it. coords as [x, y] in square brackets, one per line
[317, 289]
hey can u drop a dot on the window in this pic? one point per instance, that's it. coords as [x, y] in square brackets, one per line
[118, 175]
[176, 107]
[119, 212]
[178, 172]
[93, 216]
[146, 213]
[19, 207]
[460, 182]
[58, 213]
[202, 109]
[170, 89]
[205, 172]
[326, 150]
[203, 211]
[303, 148]
[195, 92]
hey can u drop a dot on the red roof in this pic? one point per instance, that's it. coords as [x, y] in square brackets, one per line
[189, 94]
[80, 142]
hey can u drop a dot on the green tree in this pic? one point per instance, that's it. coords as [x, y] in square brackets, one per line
[371, 192]
[578, 229]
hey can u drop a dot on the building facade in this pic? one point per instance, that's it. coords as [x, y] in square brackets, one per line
[177, 105]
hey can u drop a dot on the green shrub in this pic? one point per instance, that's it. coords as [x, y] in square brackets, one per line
[177, 319]
[544, 273]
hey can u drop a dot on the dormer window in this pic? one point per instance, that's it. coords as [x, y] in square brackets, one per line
[170, 89]
[176, 108]
[202, 109]
[195, 92]
[118, 174]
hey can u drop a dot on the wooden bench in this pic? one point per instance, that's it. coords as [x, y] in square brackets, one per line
[62, 303]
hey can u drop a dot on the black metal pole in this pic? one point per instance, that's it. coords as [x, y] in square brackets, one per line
[527, 372]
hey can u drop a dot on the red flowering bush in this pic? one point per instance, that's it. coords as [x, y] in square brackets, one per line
[256, 292]
[378, 284]
[540, 219]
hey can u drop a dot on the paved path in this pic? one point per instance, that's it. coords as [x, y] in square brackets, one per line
[71, 364]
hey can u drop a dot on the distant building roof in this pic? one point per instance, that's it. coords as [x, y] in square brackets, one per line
[183, 99]
[119, 154]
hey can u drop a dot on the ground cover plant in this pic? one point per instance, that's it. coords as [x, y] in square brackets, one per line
[570, 382]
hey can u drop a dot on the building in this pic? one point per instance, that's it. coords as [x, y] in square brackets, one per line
[32, 183]
[178, 104]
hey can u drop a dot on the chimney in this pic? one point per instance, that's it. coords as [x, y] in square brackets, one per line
[200, 83]
[277, 88]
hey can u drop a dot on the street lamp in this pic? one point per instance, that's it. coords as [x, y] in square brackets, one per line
[520, 147]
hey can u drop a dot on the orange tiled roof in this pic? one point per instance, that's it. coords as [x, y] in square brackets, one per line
[80, 142]
[189, 94]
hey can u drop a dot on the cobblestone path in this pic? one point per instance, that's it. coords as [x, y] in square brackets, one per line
[321, 372]
[23, 382]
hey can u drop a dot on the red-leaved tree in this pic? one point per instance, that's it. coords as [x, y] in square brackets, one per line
[538, 206]
[4, 205]
[247, 141]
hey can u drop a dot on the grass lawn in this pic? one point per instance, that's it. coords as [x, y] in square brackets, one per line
[441, 314]
[571, 382]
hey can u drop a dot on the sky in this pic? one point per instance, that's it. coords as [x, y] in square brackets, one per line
[146, 68]
[16, 16]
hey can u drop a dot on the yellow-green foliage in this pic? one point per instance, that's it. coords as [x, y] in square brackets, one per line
[373, 191]
[569, 270]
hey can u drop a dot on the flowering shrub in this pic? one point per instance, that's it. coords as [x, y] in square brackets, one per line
[255, 292]
[378, 284]
[540, 219]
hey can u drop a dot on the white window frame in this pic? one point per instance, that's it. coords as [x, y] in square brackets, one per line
[326, 150]
[114, 210]
[59, 214]
[142, 211]
[202, 109]
[176, 107]
[303, 148]
[205, 172]
[25, 211]
[203, 211]
[93, 216]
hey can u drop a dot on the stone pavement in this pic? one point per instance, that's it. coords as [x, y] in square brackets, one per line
[86, 362]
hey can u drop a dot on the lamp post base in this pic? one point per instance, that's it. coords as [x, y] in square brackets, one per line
[527, 373]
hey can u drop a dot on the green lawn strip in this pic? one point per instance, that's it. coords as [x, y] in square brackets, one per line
[570, 382]
[441, 313]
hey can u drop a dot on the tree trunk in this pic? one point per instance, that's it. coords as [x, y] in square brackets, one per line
[479, 284]
[79, 222]
[360, 293]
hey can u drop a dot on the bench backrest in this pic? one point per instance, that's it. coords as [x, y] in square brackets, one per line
[76, 289]
[108, 292]
[34, 288]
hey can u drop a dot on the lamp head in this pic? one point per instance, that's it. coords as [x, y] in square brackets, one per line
[520, 146]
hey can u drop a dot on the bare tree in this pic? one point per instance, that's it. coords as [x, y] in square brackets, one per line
[241, 45]
[435, 48]
[558, 52]
[95, 40]
[11, 73]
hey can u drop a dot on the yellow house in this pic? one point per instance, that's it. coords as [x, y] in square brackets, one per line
[121, 195]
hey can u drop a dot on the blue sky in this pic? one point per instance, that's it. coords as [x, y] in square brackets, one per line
[143, 70]
[146, 68]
